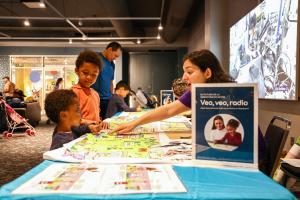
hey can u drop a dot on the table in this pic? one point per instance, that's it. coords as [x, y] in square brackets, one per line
[201, 183]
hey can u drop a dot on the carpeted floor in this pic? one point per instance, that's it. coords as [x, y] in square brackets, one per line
[21, 153]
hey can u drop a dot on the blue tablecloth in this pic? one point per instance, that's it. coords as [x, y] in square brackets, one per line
[201, 183]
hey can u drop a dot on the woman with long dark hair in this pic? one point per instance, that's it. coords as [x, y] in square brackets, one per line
[199, 67]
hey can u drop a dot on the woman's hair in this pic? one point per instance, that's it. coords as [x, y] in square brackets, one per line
[206, 59]
[179, 87]
[218, 117]
[58, 81]
[89, 57]
[233, 123]
[58, 101]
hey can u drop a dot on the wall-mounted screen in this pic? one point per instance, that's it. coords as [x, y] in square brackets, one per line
[263, 49]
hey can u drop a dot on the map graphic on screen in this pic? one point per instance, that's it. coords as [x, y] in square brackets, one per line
[263, 48]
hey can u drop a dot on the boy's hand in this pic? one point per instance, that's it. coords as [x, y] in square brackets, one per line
[138, 109]
[95, 128]
[104, 125]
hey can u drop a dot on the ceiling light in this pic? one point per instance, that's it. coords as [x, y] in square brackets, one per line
[70, 41]
[26, 22]
[34, 3]
[42, 5]
[138, 41]
[80, 23]
[160, 27]
[158, 37]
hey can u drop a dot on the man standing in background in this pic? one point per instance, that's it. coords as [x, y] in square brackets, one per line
[104, 84]
[9, 87]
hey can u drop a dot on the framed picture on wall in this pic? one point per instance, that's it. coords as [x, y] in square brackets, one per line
[166, 97]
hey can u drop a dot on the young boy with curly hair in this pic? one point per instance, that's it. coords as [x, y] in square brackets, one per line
[62, 107]
[179, 87]
[88, 67]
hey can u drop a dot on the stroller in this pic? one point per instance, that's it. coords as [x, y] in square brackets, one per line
[11, 120]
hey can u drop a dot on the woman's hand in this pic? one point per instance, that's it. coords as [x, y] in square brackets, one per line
[124, 128]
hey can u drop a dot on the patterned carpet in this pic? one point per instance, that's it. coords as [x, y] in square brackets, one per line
[21, 153]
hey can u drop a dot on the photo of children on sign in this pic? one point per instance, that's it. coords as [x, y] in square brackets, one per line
[224, 132]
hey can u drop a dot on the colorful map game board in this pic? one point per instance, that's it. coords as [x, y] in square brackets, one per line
[63, 178]
[174, 124]
[106, 148]
[122, 146]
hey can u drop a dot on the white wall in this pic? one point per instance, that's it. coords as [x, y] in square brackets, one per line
[215, 28]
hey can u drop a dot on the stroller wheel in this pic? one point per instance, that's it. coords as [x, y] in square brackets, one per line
[33, 133]
[28, 132]
[7, 134]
